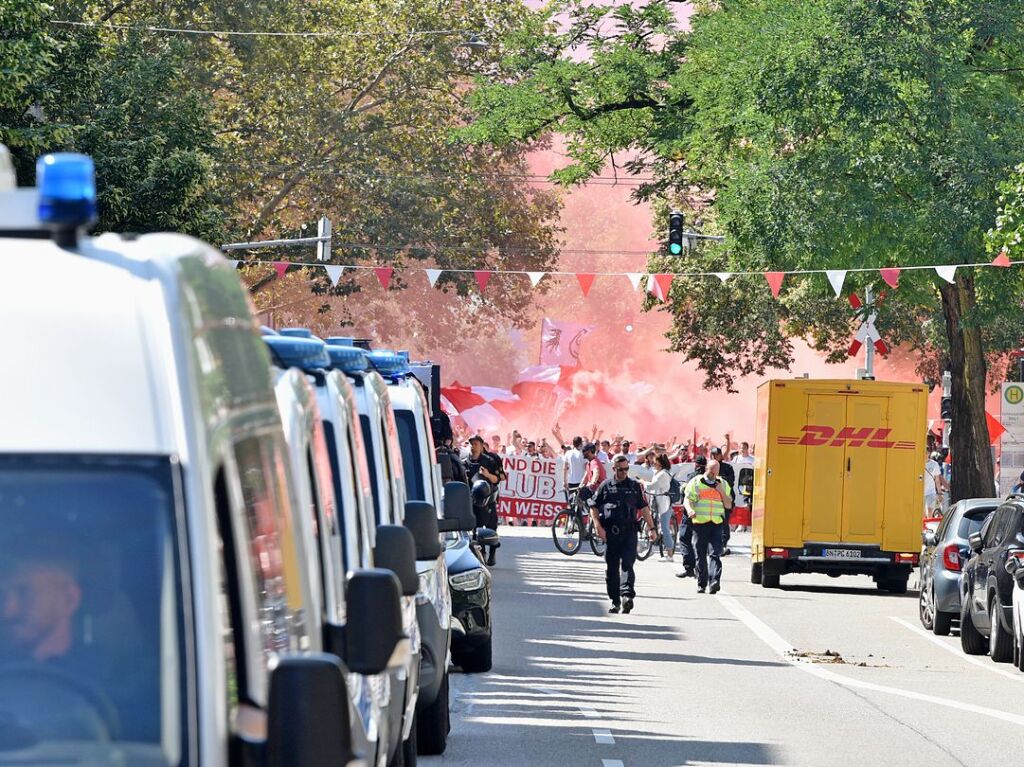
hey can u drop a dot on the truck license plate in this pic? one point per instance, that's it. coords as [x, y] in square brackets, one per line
[841, 553]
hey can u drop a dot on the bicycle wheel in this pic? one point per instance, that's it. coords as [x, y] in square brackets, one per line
[644, 544]
[566, 532]
[596, 544]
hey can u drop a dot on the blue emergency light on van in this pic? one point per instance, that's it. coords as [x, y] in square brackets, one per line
[340, 340]
[299, 333]
[387, 363]
[348, 359]
[302, 353]
[67, 189]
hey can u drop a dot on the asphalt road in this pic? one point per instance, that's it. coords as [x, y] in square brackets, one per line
[744, 677]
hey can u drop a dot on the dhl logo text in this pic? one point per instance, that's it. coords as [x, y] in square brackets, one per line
[848, 436]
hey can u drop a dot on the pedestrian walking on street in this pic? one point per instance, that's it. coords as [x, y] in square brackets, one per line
[658, 489]
[686, 550]
[726, 472]
[706, 499]
[614, 509]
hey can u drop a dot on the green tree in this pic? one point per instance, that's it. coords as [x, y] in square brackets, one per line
[829, 134]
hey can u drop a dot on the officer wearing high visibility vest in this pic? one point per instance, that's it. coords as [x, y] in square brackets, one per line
[706, 499]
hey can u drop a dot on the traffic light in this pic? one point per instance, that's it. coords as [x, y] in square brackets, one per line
[675, 233]
[946, 410]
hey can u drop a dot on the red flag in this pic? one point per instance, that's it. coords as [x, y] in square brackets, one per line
[663, 283]
[482, 276]
[1002, 259]
[891, 277]
[775, 281]
[384, 275]
[854, 301]
[281, 267]
[585, 280]
[995, 429]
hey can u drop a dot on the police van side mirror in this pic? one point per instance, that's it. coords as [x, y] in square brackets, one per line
[458, 509]
[396, 551]
[421, 520]
[374, 637]
[307, 715]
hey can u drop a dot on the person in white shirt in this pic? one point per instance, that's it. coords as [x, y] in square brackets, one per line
[630, 454]
[743, 461]
[657, 489]
[932, 480]
[575, 465]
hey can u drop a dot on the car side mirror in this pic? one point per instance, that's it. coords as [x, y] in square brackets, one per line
[974, 539]
[396, 551]
[485, 536]
[458, 509]
[307, 714]
[375, 640]
[929, 539]
[421, 519]
[1012, 566]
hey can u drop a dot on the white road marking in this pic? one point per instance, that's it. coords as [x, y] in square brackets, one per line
[592, 714]
[604, 737]
[768, 635]
[611, 763]
[986, 664]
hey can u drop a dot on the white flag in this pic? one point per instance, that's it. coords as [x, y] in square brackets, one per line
[723, 276]
[836, 278]
[334, 272]
[634, 279]
[433, 275]
[948, 273]
[536, 277]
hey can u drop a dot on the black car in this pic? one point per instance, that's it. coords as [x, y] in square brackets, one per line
[986, 589]
[470, 582]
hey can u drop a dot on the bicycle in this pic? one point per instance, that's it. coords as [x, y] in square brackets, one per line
[573, 525]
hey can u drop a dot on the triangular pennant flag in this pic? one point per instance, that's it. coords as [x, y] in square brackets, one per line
[664, 283]
[634, 279]
[891, 277]
[384, 275]
[948, 273]
[233, 262]
[836, 278]
[433, 275]
[723, 276]
[585, 280]
[281, 267]
[482, 276]
[775, 281]
[535, 277]
[995, 428]
[334, 272]
[1002, 260]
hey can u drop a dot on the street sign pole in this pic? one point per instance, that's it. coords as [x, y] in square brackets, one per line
[869, 348]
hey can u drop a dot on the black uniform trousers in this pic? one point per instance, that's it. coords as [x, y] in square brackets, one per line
[686, 542]
[621, 554]
[709, 535]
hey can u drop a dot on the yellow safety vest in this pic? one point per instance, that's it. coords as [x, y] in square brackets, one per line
[705, 501]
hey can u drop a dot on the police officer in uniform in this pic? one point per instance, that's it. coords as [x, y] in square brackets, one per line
[481, 464]
[706, 499]
[614, 510]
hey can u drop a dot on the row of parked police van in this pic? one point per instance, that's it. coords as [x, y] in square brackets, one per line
[218, 543]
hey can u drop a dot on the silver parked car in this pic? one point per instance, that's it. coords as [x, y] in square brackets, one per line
[945, 552]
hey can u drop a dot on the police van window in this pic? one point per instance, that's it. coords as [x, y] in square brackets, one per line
[229, 600]
[412, 465]
[93, 638]
[273, 560]
[371, 460]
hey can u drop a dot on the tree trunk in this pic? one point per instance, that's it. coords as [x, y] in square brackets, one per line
[972, 469]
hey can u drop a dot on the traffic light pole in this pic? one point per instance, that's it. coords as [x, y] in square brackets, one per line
[947, 415]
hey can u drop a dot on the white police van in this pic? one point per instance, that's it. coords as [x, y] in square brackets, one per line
[422, 477]
[145, 502]
[297, 362]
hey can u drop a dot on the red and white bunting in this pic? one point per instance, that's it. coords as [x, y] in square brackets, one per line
[433, 275]
[634, 279]
[836, 278]
[775, 281]
[281, 267]
[723, 276]
[948, 273]
[585, 281]
[384, 275]
[1002, 260]
[891, 277]
[334, 273]
[535, 277]
[482, 277]
[658, 285]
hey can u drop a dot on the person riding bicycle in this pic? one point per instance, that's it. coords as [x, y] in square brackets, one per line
[614, 509]
[658, 489]
[595, 473]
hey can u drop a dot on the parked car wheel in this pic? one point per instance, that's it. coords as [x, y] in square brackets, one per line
[1000, 643]
[971, 640]
[942, 623]
[769, 577]
[478, 660]
[432, 723]
[755, 571]
[926, 607]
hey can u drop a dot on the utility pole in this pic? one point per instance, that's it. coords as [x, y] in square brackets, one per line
[869, 350]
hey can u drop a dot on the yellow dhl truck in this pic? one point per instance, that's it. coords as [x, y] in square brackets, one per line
[838, 480]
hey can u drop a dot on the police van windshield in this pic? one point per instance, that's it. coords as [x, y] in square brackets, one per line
[411, 461]
[91, 628]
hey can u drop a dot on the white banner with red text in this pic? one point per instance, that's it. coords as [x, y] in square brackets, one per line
[532, 490]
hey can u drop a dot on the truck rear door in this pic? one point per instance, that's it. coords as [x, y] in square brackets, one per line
[824, 467]
[864, 450]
